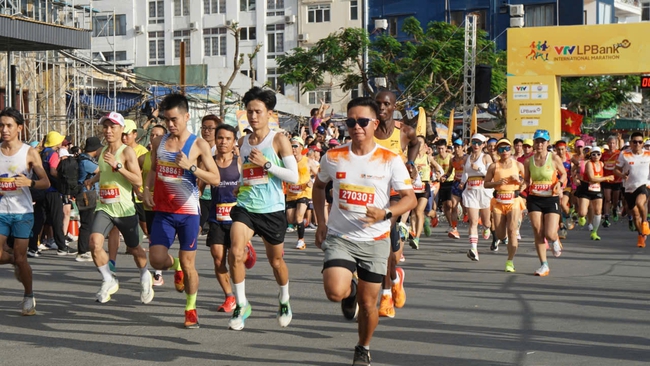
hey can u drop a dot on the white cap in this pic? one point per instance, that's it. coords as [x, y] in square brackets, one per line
[595, 149]
[478, 136]
[113, 117]
[647, 142]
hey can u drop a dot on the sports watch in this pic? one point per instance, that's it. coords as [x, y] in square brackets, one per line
[267, 165]
[119, 166]
[388, 214]
[193, 168]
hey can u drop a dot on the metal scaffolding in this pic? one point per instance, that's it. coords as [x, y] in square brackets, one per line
[469, 69]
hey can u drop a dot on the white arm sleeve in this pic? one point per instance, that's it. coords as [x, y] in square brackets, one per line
[288, 174]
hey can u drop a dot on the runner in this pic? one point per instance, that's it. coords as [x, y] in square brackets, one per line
[633, 167]
[174, 159]
[119, 172]
[590, 193]
[424, 165]
[518, 144]
[491, 148]
[476, 198]
[267, 160]
[356, 237]
[209, 124]
[565, 200]
[18, 164]
[505, 176]
[456, 170]
[611, 190]
[299, 194]
[546, 176]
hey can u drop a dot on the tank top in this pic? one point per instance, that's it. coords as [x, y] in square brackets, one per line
[175, 188]
[609, 159]
[458, 169]
[543, 178]
[394, 141]
[423, 167]
[475, 179]
[114, 189]
[260, 191]
[15, 200]
[598, 172]
[505, 193]
[300, 189]
[444, 163]
[223, 196]
[207, 191]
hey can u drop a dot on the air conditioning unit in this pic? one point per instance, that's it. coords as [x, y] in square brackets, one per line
[303, 37]
[290, 19]
[228, 23]
[381, 24]
[194, 26]
[516, 22]
[517, 10]
[138, 29]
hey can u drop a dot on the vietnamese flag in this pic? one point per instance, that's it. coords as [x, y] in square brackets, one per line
[571, 122]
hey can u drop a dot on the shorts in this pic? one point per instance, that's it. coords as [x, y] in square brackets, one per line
[445, 192]
[270, 226]
[477, 198]
[139, 210]
[455, 189]
[18, 226]
[584, 192]
[294, 204]
[613, 186]
[545, 205]
[148, 216]
[218, 234]
[129, 227]
[505, 208]
[427, 192]
[328, 192]
[65, 199]
[368, 258]
[630, 198]
[166, 226]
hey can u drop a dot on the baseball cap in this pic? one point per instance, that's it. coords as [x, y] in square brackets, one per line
[320, 130]
[605, 147]
[458, 142]
[580, 143]
[478, 136]
[315, 148]
[113, 117]
[595, 149]
[504, 142]
[334, 142]
[53, 138]
[129, 126]
[298, 140]
[528, 142]
[92, 144]
[541, 134]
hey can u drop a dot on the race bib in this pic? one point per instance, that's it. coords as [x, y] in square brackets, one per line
[109, 193]
[254, 174]
[542, 189]
[594, 187]
[610, 165]
[295, 188]
[458, 175]
[223, 211]
[355, 198]
[418, 187]
[505, 197]
[475, 183]
[8, 187]
[169, 172]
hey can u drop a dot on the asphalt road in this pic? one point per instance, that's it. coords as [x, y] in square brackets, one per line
[591, 310]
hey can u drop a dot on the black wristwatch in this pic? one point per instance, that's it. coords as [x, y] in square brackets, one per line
[193, 168]
[118, 166]
[267, 165]
[32, 184]
[388, 215]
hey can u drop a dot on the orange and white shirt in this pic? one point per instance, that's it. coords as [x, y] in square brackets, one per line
[637, 168]
[610, 158]
[360, 181]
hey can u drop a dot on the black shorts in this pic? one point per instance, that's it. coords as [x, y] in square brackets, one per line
[103, 223]
[149, 215]
[270, 226]
[218, 234]
[294, 203]
[545, 205]
[139, 209]
[445, 192]
[630, 198]
[427, 192]
[613, 186]
[583, 192]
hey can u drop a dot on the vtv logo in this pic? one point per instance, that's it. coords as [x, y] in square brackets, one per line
[565, 50]
[521, 88]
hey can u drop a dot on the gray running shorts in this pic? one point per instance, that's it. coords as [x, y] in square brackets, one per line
[129, 227]
[368, 258]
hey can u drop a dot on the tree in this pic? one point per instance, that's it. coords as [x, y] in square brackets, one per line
[238, 60]
[597, 93]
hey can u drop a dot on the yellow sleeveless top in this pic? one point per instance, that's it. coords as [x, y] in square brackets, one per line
[394, 142]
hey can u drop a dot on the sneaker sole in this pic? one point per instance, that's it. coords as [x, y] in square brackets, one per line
[543, 274]
[243, 323]
[387, 316]
[192, 326]
[510, 271]
[111, 292]
[475, 259]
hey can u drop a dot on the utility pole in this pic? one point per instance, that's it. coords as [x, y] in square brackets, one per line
[469, 77]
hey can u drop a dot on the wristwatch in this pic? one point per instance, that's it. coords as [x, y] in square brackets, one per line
[32, 184]
[193, 168]
[267, 165]
[388, 214]
[119, 166]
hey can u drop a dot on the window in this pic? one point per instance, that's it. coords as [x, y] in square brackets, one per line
[246, 72]
[182, 36]
[108, 56]
[273, 80]
[481, 18]
[274, 7]
[539, 15]
[604, 13]
[392, 26]
[457, 17]
[214, 6]
[156, 48]
[316, 96]
[355, 92]
[103, 25]
[354, 10]
[181, 8]
[275, 40]
[318, 14]
[156, 12]
[215, 41]
[645, 12]
[246, 5]
[247, 34]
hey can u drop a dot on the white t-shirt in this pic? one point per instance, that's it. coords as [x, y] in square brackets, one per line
[637, 168]
[361, 181]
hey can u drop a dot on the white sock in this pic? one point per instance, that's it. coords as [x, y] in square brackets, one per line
[105, 272]
[240, 293]
[387, 292]
[597, 222]
[397, 278]
[158, 272]
[144, 272]
[284, 293]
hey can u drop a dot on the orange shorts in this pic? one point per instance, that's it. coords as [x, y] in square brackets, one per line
[504, 208]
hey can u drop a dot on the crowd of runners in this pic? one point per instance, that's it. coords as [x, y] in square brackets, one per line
[365, 195]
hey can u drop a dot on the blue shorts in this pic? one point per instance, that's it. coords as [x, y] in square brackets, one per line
[17, 225]
[455, 189]
[166, 226]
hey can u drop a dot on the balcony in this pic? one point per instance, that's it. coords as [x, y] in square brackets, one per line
[627, 8]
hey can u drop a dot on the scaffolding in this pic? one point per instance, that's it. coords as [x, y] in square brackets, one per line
[469, 69]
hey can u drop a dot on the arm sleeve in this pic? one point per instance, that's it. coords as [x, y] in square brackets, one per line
[288, 174]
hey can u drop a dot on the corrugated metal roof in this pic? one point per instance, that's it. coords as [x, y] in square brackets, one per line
[20, 34]
[104, 102]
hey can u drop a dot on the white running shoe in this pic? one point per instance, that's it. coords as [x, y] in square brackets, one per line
[29, 306]
[301, 245]
[108, 288]
[590, 227]
[518, 235]
[86, 257]
[543, 271]
[472, 254]
[146, 289]
[284, 315]
[557, 248]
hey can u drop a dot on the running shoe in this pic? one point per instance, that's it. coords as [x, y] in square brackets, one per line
[146, 289]
[645, 228]
[557, 248]
[427, 226]
[361, 357]
[51, 244]
[402, 259]
[397, 289]
[495, 245]
[415, 243]
[640, 242]
[386, 308]
[158, 279]
[570, 224]
[606, 223]
[349, 305]
[486, 234]
[453, 233]
[465, 218]
[239, 316]
[543, 271]
[86, 257]
[562, 233]
[594, 236]
[228, 305]
[505, 241]
[518, 237]
[191, 319]
[615, 214]
[42, 246]
[179, 281]
[582, 221]
[630, 225]
[472, 254]
[311, 226]
[108, 288]
[301, 245]
[510, 267]
[33, 253]
[435, 221]
[284, 315]
[290, 229]
[403, 230]
[29, 306]
[590, 227]
[66, 251]
[251, 256]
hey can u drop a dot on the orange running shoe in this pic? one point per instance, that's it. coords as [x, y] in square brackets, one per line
[178, 281]
[191, 319]
[434, 221]
[453, 233]
[640, 242]
[251, 256]
[386, 308]
[645, 228]
[397, 289]
[228, 306]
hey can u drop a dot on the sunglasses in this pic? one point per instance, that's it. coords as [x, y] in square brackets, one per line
[595, 154]
[476, 142]
[503, 149]
[295, 146]
[638, 142]
[362, 122]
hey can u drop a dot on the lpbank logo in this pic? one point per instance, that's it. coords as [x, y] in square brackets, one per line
[592, 49]
[539, 50]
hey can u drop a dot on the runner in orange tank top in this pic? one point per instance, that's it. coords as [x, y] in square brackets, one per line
[590, 192]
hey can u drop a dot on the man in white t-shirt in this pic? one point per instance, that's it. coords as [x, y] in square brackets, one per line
[634, 167]
[357, 235]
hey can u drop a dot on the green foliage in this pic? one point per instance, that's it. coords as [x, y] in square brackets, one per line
[597, 93]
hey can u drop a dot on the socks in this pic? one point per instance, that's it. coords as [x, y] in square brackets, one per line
[144, 273]
[301, 230]
[397, 278]
[105, 272]
[158, 272]
[386, 291]
[191, 302]
[473, 239]
[284, 293]
[240, 293]
[596, 223]
[545, 263]
[177, 265]
[367, 348]
[454, 224]
[111, 265]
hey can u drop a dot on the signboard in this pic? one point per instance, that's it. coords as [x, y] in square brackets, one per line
[533, 103]
[645, 82]
[242, 121]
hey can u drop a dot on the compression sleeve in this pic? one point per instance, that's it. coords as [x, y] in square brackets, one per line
[288, 174]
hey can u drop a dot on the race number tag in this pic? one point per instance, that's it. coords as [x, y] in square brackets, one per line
[295, 188]
[223, 211]
[458, 174]
[594, 187]
[505, 197]
[109, 193]
[542, 189]
[254, 174]
[8, 187]
[418, 187]
[475, 183]
[169, 172]
[355, 198]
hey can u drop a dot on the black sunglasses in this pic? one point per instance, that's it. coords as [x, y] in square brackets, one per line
[362, 122]
[295, 146]
[503, 148]
[638, 142]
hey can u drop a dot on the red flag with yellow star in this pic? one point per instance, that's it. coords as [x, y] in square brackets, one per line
[571, 122]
